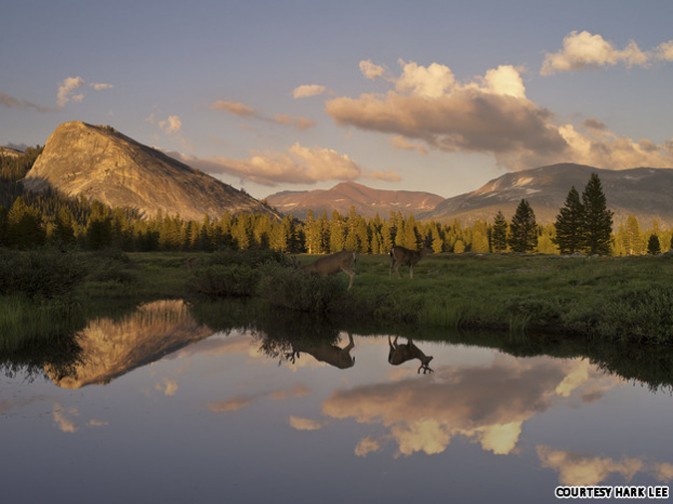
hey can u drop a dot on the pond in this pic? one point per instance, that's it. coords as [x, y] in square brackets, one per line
[162, 405]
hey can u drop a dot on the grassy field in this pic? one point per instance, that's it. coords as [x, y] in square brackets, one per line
[611, 298]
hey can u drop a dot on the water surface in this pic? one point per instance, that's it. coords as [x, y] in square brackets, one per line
[161, 407]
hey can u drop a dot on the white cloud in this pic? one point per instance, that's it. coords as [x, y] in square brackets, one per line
[299, 165]
[307, 90]
[66, 90]
[430, 82]
[242, 110]
[488, 114]
[305, 424]
[664, 51]
[233, 107]
[585, 50]
[172, 124]
[100, 86]
[428, 108]
[11, 102]
[370, 70]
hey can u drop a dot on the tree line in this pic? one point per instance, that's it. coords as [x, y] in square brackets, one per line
[583, 225]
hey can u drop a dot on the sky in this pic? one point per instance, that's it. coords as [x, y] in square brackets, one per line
[437, 96]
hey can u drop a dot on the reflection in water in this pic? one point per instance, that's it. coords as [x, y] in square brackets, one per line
[400, 353]
[486, 404]
[480, 408]
[324, 351]
[111, 348]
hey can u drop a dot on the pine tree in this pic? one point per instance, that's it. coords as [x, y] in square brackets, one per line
[597, 218]
[653, 245]
[499, 233]
[523, 230]
[571, 235]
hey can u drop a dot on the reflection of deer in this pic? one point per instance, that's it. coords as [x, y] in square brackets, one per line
[400, 256]
[400, 353]
[325, 352]
[333, 263]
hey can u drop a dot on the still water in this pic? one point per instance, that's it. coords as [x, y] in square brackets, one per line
[161, 407]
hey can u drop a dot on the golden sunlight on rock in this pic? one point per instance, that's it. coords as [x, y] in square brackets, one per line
[111, 348]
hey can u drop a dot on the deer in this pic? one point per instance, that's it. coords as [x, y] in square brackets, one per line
[400, 256]
[400, 353]
[334, 263]
[323, 351]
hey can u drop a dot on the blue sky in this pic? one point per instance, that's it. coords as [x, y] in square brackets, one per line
[438, 96]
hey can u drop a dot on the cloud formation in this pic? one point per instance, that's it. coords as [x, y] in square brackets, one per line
[428, 108]
[172, 124]
[242, 110]
[11, 102]
[67, 90]
[299, 165]
[583, 50]
[428, 105]
[308, 90]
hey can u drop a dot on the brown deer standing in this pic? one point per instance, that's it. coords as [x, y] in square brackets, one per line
[400, 256]
[334, 263]
[400, 353]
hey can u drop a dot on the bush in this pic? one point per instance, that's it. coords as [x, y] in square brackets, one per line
[644, 314]
[298, 290]
[220, 280]
[42, 274]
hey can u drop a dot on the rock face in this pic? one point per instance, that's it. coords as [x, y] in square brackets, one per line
[642, 192]
[367, 201]
[9, 152]
[99, 163]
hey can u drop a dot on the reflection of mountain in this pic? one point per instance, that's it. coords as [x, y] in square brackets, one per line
[111, 348]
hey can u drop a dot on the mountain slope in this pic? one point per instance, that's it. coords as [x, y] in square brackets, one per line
[367, 201]
[646, 193]
[100, 163]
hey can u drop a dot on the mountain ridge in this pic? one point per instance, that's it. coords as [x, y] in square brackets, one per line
[341, 197]
[100, 163]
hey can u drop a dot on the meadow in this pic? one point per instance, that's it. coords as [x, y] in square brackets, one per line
[625, 299]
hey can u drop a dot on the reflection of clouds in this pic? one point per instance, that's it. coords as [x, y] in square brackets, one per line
[233, 404]
[64, 418]
[238, 343]
[60, 416]
[487, 404]
[243, 401]
[366, 446]
[167, 386]
[663, 471]
[308, 424]
[576, 469]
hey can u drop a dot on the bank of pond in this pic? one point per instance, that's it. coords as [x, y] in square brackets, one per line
[602, 307]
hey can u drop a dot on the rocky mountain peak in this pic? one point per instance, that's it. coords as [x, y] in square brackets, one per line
[100, 163]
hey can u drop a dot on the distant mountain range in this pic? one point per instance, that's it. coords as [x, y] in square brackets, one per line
[367, 201]
[646, 193]
[100, 163]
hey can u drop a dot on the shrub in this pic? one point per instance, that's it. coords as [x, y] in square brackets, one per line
[298, 290]
[643, 314]
[44, 274]
[220, 280]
